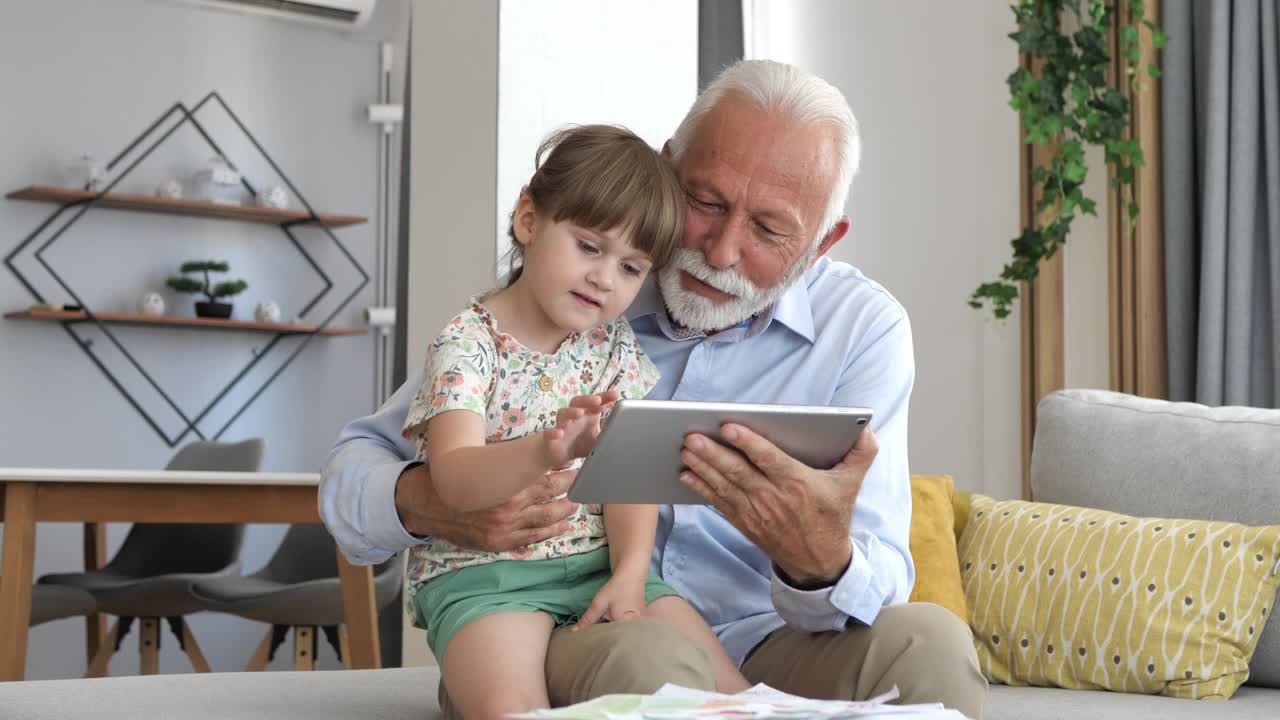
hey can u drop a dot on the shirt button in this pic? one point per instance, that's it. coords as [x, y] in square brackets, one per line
[545, 382]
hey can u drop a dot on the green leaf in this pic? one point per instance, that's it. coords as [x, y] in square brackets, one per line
[1079, 93]
[1075, 170]
[229, 288]
[204, 266]
[1153, 70]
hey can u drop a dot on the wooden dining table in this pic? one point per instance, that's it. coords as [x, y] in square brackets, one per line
[94, 497]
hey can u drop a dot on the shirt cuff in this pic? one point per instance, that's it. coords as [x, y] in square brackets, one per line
[828, 608]
[381, 522]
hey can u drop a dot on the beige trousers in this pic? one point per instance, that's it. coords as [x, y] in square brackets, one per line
[923, 649]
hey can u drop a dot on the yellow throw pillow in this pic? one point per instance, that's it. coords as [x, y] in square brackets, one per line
[1077, 598]
[933, 544]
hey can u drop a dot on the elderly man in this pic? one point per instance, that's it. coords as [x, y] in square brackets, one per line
[804, 573]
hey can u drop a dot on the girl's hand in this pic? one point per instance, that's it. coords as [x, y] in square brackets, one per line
[621, 599]
[576, 429]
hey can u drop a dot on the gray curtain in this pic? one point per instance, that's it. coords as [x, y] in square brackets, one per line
[1221, 106]
[720, 39]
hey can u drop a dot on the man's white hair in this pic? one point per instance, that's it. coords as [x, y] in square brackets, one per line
[797, 95]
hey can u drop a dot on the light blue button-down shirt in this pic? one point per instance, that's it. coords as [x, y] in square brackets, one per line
[836, 339]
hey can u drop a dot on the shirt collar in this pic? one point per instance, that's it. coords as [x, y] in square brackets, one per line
[793, 309]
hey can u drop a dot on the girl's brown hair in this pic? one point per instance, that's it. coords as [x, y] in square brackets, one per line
[604, 177]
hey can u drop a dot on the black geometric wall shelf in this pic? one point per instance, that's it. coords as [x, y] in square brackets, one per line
[72, 205]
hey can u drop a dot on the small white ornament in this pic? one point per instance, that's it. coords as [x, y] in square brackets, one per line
[169, 189]
[151, 304]
[273, 197]
[216, 182]
[86, 173]
[267, 311]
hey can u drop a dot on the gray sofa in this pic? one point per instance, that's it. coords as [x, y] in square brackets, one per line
[1092, 448]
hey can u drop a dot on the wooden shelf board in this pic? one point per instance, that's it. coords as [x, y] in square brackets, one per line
[144, 203]
[180, 321]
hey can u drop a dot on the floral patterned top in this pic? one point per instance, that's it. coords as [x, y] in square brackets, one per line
[474, 366]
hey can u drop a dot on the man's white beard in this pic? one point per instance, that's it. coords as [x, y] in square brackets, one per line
[699, 313]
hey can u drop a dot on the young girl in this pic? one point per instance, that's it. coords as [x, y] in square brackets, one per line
[515, 387]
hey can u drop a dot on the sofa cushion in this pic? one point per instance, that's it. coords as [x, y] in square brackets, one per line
[1154, 458]
[1072, 597]
[1028, 703]
[933, 544]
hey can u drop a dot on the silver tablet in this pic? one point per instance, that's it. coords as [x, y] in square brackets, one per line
[637, 456]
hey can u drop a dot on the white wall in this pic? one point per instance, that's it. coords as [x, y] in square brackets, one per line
[88, 76]
[935, 203]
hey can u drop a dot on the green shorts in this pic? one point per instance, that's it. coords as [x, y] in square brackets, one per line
[561, 587]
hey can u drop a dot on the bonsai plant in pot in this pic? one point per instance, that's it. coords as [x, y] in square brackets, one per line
[210, 308]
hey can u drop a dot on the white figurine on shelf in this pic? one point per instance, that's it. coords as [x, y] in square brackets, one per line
[267, 312]
[218, 182]
[86, 173]
[151, 304]
[273, 197]
[170, 189]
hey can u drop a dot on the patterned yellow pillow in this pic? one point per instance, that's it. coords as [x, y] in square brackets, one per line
[1076, 598]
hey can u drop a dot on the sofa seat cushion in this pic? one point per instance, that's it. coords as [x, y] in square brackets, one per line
[393, 694]
[1033, 703]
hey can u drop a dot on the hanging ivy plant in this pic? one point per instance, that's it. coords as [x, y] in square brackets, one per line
[1066, 104]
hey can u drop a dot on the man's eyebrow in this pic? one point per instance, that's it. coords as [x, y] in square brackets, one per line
[703, 187]
[777, 216]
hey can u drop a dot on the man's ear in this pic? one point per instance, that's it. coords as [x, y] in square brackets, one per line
[834, 236]
[524, 219]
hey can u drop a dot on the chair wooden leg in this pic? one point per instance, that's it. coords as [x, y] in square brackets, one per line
[95, 556]
[102, 659]
[149, 646]
[192, 649]
[304, 648]
[344, 646]
[258, 662]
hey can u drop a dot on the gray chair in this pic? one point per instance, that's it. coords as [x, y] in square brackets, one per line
[299, 589]
[54, 602]
[150, 576]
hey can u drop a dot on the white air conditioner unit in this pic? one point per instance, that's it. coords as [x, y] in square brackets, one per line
[342, 14]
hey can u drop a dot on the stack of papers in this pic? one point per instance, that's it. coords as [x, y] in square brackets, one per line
[673, 702]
